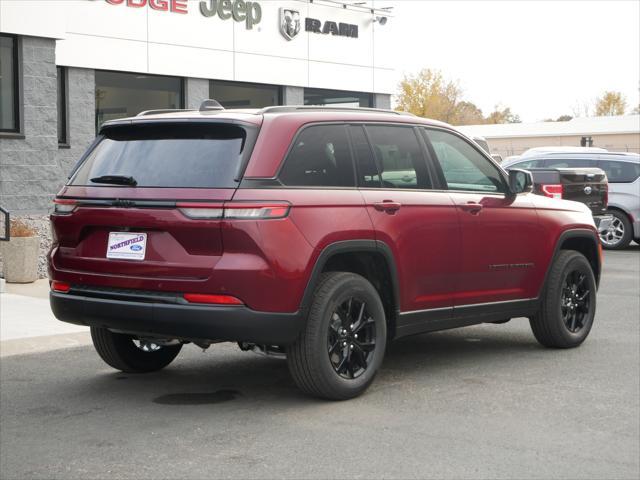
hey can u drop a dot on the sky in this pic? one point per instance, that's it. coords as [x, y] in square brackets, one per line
[541, 58]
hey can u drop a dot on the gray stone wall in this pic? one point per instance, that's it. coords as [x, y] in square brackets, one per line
[29, 170]
[33, 168]
[293, 96]
[81, 108]
[382, 100]
[197, 90]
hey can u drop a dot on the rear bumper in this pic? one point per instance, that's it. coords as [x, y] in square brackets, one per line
[178, 321]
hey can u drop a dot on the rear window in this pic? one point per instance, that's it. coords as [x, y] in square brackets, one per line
[621, 172]
[195, 156]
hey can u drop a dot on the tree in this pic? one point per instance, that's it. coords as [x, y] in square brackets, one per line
[467, 113]
[636, 110]
[610, 103]
[429, 94]
[502, 115]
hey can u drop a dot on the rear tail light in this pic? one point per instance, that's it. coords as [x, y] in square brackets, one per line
[235, 211]
[62, 206]
[201, 211]
[212, 299]
[62, 287]
[246, 211]
[552, 191]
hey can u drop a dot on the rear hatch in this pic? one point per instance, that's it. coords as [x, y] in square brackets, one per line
[126, 217]
[584, 185]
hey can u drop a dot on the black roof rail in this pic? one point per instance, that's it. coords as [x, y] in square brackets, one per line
[162, 110]
[210, 105]
[302, 108]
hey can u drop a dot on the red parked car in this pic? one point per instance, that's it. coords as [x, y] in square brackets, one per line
[320, 234]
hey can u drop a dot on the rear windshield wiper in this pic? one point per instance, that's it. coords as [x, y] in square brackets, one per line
[115, 180]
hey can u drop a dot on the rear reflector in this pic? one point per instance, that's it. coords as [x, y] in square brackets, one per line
[234, 211]
[552, 191]
[212, 299]
[62, 287]
[62, 206]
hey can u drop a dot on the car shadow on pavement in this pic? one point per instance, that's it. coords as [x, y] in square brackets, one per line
[225, 375]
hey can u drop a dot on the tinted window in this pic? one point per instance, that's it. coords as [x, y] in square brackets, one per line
[320, 157]
[121, 95]
[62, 105]
[570, 163]
[464, 168]
[398, 157]
[244, 95]
[337, 98]
[620, 172]
[368, 175]
[8, 84]
[529, 164]
[167, 156]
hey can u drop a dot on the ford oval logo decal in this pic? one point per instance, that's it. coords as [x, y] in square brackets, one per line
[136, 248]
[588, 190]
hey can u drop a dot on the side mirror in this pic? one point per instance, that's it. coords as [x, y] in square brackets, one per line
[520, 181]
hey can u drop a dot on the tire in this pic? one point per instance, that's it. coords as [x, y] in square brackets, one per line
[120, 352]
[558, 325]
[338, 353]
[620, 234]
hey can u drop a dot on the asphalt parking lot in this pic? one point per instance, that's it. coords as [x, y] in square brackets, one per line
[479, 402]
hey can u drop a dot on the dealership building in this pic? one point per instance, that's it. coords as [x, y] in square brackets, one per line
[67, 66]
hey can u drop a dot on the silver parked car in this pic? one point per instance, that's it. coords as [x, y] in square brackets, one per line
[623, 172]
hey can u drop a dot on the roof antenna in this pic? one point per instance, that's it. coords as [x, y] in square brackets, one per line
[209, 105]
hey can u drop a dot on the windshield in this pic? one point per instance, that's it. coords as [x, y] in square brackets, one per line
[168, 155]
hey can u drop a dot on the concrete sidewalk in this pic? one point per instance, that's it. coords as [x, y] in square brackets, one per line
[27, 324]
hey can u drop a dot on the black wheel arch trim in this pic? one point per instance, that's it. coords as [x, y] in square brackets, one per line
[569, 234]
[352, 246]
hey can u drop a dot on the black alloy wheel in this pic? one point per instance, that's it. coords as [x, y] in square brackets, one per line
[576, 300]
[351, 339]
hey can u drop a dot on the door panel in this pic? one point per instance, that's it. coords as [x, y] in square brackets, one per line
[499, 260]
[499, 232]
[418, 224]
[423, 236]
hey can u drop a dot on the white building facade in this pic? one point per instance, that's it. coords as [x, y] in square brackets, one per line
[66, 66]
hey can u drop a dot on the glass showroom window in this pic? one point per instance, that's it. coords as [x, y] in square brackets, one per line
[245, 95]
[121, 95]
[9, 106]
[337, 98]
[63, 138]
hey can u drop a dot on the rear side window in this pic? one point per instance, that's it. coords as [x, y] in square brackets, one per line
[570, 163]
[620, 172]
[529, 164]
[180, 156]
[320, 157]
[398, 157]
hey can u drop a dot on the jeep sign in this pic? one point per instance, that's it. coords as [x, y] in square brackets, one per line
[240, 10]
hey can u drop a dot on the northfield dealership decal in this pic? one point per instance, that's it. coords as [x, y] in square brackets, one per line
[248, 12]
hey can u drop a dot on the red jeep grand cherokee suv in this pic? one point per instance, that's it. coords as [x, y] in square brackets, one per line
[315, 233]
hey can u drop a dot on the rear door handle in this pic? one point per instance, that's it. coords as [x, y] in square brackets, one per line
[388, 206]
[471, 207]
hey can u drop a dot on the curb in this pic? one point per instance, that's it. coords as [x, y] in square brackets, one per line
[32, 345]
